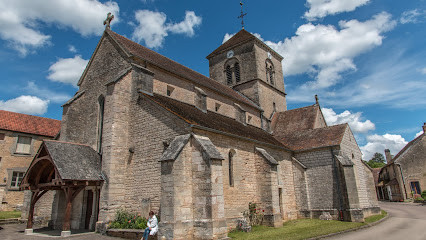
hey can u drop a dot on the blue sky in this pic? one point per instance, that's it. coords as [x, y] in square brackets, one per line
[364, 58]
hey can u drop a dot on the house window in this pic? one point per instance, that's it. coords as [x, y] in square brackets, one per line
[23, 145]
[237, 72]
[16, 179]
[2, 136]
[231, 168]
[228, 75]
[415, 187]
[170, 90]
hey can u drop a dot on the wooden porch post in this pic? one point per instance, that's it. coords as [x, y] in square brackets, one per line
[31, 213]
[35, 196]
[70, 194]
[66, 224]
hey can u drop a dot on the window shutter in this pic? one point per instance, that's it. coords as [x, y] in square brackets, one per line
[23, 145]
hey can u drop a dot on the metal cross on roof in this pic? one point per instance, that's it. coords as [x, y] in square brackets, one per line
[108, 20]
[242, 15]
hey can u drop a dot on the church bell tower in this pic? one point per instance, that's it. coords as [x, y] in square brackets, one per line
[249, 66]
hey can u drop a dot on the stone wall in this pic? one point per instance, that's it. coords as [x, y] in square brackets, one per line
[152, 129]
[363, 176]
[321, 183]
[249, 185]
[12, 198]
[413, 165]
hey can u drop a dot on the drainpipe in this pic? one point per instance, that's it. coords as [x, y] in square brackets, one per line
[339, 191]
[403, 181]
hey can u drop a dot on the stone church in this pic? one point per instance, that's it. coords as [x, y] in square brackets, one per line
[144, 132]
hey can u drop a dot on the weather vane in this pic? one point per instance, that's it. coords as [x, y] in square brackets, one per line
[242, 15]
[108, 20]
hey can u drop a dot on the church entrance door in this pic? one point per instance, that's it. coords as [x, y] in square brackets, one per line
[89, 208]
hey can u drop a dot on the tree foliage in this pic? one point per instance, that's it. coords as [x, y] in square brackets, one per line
[377, 161]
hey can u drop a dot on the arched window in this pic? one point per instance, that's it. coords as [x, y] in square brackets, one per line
[237, 72]
[228, 75]
[271, 75]
[231, 168]
[270, 72]
[101, 104]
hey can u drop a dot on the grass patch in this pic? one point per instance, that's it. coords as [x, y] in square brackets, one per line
[302, 229]
[10, 214]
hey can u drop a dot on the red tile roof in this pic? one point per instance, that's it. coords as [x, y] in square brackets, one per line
[312, 138]
[177, 68]
[212, 120]
[298, 119]
[24, 123]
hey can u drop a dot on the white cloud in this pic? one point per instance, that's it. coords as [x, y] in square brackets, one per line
[52, 96]
[20, 20]
[327, 52]
[25, 104]
[153, 29]
[322, 8]
[423, 70]
[72, 48]
[354, 120]
[378, 143]
[418, 134]
[67, 70]
[187, 25]
[412, 16]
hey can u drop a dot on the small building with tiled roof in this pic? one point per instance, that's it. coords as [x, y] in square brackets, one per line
[20, 137]
[404, 175]
[198, 150]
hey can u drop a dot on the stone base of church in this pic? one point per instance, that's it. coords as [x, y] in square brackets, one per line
[274, 220]
[349, 215]
[316, 213]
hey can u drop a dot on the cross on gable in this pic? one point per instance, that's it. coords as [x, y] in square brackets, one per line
[242, 15]
[108, 20]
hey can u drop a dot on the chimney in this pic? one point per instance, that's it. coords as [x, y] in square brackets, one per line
[388, 156]
[424, 127]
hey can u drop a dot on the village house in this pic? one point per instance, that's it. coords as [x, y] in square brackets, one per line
[20, 138]
[144, 132]
[404, 176]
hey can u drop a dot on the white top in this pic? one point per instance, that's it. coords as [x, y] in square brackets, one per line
[153, 224]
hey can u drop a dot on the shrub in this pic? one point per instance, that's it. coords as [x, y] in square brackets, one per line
[418, 199]
[254, 215]
[424, 194]
[126, 220]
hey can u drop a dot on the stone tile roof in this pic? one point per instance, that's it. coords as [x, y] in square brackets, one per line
[376, 174]
[212, 120]
[312, 138]
[298, 119]
[241, 37]
[411, 143]
[75, 161]
[266, 156]
[24, 123]
[163, 62]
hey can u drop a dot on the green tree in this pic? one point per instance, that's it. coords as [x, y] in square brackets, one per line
[377, 161]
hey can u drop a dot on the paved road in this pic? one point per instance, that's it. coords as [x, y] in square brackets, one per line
[16, 232]
[407, 222]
